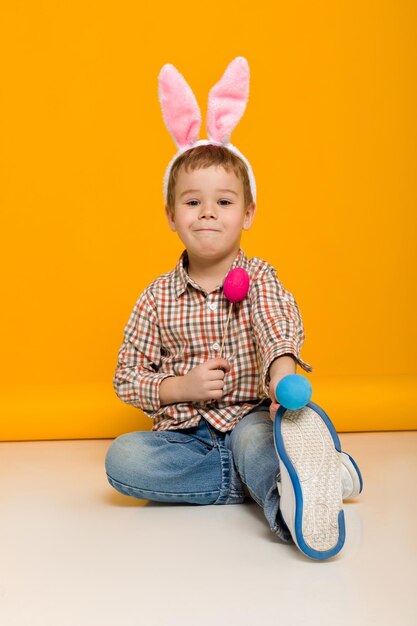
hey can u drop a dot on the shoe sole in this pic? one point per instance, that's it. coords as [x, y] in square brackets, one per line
[308, 449]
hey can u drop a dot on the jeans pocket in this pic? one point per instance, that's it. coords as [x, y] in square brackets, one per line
[193, 445]
[174, 436]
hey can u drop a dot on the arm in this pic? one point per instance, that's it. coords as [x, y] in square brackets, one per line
[136, 380]
[278, 328]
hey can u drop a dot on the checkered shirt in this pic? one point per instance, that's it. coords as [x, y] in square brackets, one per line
[176, 325]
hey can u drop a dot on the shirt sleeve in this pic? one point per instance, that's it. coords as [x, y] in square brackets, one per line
[276, 322]
[136, 380]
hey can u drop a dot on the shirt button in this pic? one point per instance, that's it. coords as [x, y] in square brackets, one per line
[213, 306]
[216, 346]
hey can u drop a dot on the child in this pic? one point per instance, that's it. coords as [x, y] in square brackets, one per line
[212, 439]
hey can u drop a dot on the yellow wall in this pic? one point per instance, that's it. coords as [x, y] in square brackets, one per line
[330, 131]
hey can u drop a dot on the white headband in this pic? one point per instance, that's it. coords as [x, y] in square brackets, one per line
[226, 105]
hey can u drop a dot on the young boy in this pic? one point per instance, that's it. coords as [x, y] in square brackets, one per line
[212, 439]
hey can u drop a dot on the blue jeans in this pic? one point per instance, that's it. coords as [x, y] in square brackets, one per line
[201, 465]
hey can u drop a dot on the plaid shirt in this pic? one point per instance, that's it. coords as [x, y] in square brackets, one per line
[176, 325]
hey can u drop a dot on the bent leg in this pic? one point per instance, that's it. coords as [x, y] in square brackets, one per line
[168, 466]
[253, 448]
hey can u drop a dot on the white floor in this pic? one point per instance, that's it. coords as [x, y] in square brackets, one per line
[74, 552]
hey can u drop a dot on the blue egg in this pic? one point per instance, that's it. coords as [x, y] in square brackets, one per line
[293, 391]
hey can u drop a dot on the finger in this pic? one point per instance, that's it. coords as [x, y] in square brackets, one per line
[215, 375]
[215, 385]
[219, 364]
[214, 394]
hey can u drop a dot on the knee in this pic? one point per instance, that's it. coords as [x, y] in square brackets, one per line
[252, 432]
[123, 455]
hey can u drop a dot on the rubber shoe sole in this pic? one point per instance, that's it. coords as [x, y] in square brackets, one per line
[308, 450]
[351, 477]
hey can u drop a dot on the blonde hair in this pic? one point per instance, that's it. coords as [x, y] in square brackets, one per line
[205, 156]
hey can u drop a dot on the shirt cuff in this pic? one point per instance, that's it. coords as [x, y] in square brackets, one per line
[153, 398]
[273, 353]
[142, 394]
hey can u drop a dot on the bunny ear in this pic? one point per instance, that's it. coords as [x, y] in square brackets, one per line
[180, 110]
[227, 100]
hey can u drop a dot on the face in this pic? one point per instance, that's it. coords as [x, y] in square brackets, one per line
[210, 212]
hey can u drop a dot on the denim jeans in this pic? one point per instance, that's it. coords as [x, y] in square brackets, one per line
[201, 465]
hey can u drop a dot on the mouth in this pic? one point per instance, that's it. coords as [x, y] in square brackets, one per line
[207, 230]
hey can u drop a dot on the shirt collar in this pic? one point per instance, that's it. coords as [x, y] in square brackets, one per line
[181, 278]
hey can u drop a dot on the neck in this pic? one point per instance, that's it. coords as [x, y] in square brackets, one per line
[210, 269]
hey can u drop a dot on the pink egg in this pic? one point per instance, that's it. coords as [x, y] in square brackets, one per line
[236, 285]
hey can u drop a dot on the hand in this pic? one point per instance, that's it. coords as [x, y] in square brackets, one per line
[272, 387]
[205, 382]
[273, 408]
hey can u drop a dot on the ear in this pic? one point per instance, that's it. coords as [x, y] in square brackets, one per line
[170, 218]
[180, 110]
[227, 100]
[249, 216]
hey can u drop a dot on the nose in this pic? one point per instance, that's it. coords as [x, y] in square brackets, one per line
[208, 210]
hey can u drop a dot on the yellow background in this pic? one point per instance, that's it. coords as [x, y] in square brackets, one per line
[330, 130]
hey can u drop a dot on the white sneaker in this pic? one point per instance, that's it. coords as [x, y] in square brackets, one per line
[351, 477]
[352, 483]
[308, 449]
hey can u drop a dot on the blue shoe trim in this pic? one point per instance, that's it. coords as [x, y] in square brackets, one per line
[283, 456]
[325, 554]
[326, 419]
[357, 471]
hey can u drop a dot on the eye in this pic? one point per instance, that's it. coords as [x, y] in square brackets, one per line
[228, 202]
[190, 201]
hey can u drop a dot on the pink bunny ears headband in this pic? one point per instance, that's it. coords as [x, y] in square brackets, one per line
[226, 105]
